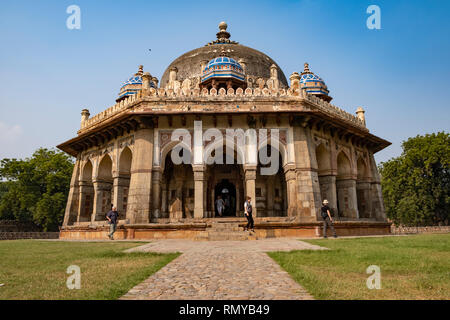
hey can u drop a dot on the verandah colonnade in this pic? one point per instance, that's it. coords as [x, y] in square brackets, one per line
[143, 183]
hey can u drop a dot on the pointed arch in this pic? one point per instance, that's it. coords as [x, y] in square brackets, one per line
[327, 178]
[281, 149]
[343, 166]
[86, 193]
[363, 188]
[346, 187]
[362, 168]
[103, 185]
[270, 190]
[122, 185]
[125, 159]
[105, 168]
[177, 186]
[165, 152]
[87, 171]
[236, 152]
[323, 159]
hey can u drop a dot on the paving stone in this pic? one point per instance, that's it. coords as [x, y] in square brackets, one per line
[221, 270]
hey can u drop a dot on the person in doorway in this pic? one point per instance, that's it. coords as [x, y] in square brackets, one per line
[112, 217]
[248, 214]
[220, 205]
[327, 219]
[227, 205]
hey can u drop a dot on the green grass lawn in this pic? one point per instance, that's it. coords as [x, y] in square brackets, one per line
[412, 267]
[32, 269]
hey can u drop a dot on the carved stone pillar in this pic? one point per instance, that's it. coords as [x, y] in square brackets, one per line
[205, 199]
[363, 190]
[156, 191]
[213, 203]
[346, 195]
[164, 212]
[139, 198]
[86, 198]
[71, 213]
[376, 197]
[102, 200]
[120, 184]
[377, 205]
[238, 200]
[308, 189]
[250, 185]
[199, 191]
[291, 190]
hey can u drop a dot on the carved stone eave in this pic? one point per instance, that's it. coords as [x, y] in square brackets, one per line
[142, 112]
[106, 131]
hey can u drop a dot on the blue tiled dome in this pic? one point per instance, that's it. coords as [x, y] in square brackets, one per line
[313, 84]
[223, 67]
[136, 79]
[311, 77]
[223, 61]
[133, 85]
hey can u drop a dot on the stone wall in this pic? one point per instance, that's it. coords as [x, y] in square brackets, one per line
[415, 230]
[16, 226]
[28, 235]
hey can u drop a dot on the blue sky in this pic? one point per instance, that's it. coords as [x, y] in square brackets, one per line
[48, 73]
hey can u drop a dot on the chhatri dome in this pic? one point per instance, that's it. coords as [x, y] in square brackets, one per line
[134, 84]
[313, 84]
[223, 70]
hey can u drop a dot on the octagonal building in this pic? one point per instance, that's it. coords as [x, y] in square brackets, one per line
[223, 121]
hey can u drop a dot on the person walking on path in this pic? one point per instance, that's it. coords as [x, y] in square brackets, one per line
[248, 214]
[220, 205]
[327, 219]
[112, 217]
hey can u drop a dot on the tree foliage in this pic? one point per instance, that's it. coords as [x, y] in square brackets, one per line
[35, 189]
[416, 185]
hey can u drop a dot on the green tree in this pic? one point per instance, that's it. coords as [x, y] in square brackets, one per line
[35, 189]
[416, 185]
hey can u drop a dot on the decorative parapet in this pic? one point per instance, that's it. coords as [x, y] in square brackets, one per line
[249, 94]
[108, 113]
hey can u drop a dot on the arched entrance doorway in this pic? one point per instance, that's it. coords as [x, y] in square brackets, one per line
[227, 191]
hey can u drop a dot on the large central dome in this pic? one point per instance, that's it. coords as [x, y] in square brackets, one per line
[255, 63]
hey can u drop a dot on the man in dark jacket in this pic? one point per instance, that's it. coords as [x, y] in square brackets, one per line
[112, 217]
[327, 219]
[248, 210]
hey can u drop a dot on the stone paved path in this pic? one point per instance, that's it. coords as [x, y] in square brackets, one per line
[221, 270]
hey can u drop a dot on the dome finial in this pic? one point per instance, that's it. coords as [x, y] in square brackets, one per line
[223, 35]
[306, 68]
[140, 71]
[223, 26]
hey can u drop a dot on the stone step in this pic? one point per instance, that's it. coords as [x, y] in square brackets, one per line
[224, 224]
[200, 238]
[225, 237]
[226, 229]
[220, 231]
[222, 238]
[225, 233]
